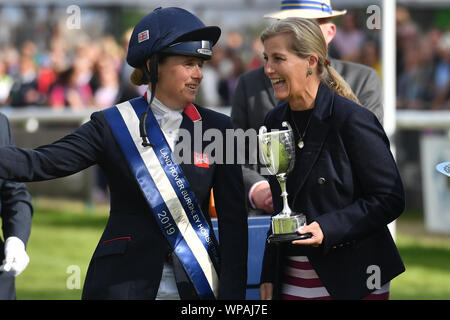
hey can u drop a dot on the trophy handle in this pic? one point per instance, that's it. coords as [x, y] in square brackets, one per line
[262, 135]
[286, 125]
[262, 130]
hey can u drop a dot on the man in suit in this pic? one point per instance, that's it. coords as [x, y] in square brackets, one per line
[253, 96]
[159, 228]
[16, 212]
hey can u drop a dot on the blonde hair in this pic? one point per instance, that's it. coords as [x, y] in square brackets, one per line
[307, 39]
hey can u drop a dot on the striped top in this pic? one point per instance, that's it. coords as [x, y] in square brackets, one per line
[301, 282]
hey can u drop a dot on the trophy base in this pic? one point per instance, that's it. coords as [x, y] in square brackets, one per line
[285, 237]
[283, 224]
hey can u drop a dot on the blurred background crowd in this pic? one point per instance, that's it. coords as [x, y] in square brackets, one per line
[69, 55]
[45, 62]
[61, 56]
[423, 62]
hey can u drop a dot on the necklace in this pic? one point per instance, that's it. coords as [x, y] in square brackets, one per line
[301, 142]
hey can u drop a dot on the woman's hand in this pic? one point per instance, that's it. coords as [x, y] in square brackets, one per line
[266, 291]
[315, 230]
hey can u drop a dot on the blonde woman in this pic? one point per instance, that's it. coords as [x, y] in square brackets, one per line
[345, 179]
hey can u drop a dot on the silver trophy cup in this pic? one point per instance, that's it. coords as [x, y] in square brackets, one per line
[277, 150]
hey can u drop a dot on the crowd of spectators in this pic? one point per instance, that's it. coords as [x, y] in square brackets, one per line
[90, 76]
[423, 65]
[93, 72]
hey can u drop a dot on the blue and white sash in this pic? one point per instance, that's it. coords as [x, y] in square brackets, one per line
[169, 195]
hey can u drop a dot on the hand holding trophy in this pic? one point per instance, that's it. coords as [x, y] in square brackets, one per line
[278, 154]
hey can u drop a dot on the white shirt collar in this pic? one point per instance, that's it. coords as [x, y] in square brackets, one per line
[158, 107]
[169, 120]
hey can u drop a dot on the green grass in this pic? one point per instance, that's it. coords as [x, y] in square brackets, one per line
[427, 274]
[66, 233]
[58, 240]
[427, 260]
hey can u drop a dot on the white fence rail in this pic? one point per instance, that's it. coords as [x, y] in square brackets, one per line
[415, 119]
[405, 119]
[34, 126]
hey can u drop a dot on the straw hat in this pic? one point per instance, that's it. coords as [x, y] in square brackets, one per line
[308, 9]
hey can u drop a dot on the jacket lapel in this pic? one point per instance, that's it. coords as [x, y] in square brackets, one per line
[315, 137]
[190, 117]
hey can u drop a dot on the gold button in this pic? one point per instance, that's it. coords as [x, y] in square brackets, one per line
[321, 180]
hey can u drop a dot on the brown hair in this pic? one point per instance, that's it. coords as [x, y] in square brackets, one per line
[141, 76]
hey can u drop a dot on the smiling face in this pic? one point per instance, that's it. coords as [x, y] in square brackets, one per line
[179, 79]
[285, 69]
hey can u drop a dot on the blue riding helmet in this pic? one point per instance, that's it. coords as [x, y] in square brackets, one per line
[170, 30]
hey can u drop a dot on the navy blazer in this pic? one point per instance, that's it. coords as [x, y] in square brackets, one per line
[128, 260]
[16, 212]
[346, 179]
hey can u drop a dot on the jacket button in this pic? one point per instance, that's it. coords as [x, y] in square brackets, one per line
[321, 180]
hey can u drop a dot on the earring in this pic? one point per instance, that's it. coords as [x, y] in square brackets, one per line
[309, 72]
